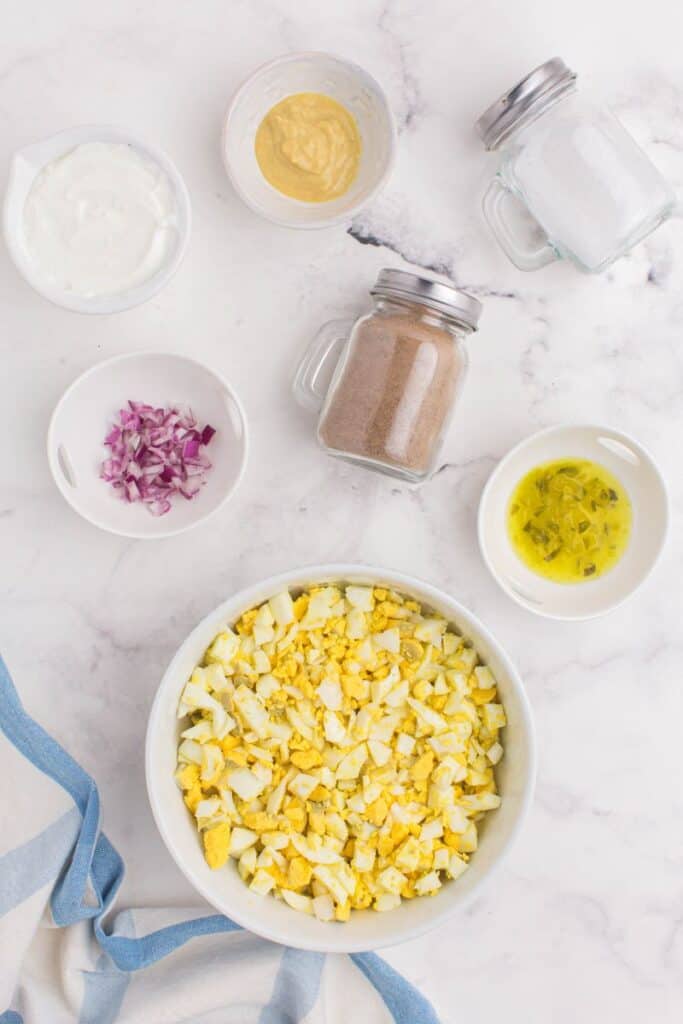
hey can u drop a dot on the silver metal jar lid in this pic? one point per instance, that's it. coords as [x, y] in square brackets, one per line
[533, 94]
[456, 304]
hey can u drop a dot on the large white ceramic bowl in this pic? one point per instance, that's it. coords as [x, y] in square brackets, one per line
[25, 167]
[345, 82]
[632, 465]
[366, 929]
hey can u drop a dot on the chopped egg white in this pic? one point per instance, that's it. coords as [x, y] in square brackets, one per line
[341, 748]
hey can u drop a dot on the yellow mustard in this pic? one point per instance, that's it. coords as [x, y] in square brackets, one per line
[308, 147]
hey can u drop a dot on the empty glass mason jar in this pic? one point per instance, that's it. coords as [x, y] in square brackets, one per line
[397, 373]
[591, 189]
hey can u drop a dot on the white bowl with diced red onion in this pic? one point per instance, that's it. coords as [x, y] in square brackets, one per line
[147, 445]
[272, 918]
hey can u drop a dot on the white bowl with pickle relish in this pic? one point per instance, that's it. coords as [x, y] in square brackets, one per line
[636, 501]
[272, 917]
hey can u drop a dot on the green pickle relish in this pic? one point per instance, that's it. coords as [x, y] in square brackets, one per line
[569, 520]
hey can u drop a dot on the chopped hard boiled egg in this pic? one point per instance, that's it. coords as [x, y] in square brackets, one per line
[341, 747]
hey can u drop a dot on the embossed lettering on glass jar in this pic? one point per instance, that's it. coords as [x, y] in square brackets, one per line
[398, 373]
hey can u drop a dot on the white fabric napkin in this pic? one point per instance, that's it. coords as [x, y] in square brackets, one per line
[67, 958]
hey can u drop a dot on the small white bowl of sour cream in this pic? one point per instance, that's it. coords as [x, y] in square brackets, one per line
[94, 219]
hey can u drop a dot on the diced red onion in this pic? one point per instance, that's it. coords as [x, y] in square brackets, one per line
[156, 454]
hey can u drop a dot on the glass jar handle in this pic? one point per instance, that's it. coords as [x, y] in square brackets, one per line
[306, 383]
[523, 257]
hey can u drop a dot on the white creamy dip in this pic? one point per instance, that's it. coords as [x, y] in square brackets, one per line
[100, 220]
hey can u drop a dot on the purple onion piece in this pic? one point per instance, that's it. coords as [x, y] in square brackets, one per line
[156, 454]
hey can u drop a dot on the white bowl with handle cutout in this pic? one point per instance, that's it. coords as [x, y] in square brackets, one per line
[86, 410]
[25, 167]
[632, 465]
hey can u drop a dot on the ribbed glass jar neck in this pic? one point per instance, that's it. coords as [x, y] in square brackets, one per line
[422, 314]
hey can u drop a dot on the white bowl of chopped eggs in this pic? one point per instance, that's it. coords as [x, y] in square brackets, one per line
[338, 758]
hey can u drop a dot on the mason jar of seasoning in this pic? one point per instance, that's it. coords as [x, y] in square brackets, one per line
[397, 374]
[588, 186]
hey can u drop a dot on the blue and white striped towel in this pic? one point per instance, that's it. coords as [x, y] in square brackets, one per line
[67, 958]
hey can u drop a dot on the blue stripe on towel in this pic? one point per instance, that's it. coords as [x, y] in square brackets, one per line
[105, 987]
[403, 1001]
[41, 750]
[134, 954]
[29, 867]
[296, 987]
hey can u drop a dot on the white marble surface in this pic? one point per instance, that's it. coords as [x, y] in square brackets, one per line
[585, 922]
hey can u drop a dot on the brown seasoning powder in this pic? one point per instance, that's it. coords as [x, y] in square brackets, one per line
[394, 392]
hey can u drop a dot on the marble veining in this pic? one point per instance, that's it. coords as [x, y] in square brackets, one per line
[585, 920]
